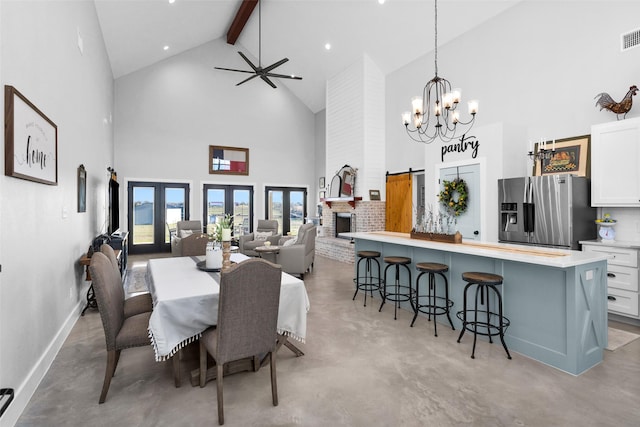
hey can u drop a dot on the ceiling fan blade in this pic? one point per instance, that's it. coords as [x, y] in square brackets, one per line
[284, 76]
[275, 65]
[248, 62]
[233, 69]
[269, 82]
[247, 79]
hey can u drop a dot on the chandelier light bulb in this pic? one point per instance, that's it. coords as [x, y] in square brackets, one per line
[447, 100]
[437, 109]
[457, 95]
[473, 107]
[416, 104]
[455, 117]
[406, 118]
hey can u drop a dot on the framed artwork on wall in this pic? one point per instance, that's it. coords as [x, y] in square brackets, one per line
[571, 156]
[82, 189]
[374, 194]
[31, 140]
[322, 183]
[228, 160]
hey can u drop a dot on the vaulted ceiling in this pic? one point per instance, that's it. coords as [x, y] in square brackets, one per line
[393, 33]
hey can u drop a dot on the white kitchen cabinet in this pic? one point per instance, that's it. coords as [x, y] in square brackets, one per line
[622, 277]
[615, 155]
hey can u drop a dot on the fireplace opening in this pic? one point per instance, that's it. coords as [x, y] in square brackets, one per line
[344, 223]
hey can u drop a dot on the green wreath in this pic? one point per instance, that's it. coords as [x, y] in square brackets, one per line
[456, 207]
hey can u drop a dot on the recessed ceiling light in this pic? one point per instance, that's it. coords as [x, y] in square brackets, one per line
[166, 47]
[327, 46]
[379, 1]
[173, 1]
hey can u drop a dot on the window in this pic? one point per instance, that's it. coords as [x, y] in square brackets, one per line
[236, 200]
[288, 206]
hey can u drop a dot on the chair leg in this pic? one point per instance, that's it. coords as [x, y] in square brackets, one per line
[219, 376]
[274, 383]
[112, 361]
[203, 364]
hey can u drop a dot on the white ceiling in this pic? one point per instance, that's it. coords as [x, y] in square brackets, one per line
[392, 34]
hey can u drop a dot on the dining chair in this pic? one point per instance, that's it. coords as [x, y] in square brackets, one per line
[195, 244]
[120, 332]
[135, 304]
[247, 321]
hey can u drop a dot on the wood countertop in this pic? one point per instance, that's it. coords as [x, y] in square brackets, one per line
[552, 257]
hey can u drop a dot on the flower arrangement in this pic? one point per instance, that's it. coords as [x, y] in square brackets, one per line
[215, 230]
[455, 207]
[606, 219]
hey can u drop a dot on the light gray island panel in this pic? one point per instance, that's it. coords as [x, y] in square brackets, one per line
[557, 308]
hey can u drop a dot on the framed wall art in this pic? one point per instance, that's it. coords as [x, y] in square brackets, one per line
[228, 160]
[31, 140]
[571, 156]
[82, 189]
[322, 183]
[374, 194]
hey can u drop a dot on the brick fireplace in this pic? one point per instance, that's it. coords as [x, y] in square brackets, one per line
[366, 216]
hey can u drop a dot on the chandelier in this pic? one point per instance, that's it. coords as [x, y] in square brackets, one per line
[435, 115]
[542, 152]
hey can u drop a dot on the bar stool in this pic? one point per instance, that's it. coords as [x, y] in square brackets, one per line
[482, 322]
[400, 292]
[367, 283]
[435, 306]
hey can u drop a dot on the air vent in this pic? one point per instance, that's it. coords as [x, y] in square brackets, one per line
[630, 40]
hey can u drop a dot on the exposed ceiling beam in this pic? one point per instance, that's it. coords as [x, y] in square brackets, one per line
[242, 16]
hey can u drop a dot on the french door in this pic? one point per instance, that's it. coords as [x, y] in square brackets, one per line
[287, 205]
[154, 208]
[235, 200]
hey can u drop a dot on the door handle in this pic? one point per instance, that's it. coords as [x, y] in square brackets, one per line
[610, 298]
[611, 275]
[476, 232]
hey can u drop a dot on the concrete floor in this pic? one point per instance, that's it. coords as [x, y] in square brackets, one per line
[361, 368]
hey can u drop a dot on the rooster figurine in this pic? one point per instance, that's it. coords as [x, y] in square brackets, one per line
[622, 107]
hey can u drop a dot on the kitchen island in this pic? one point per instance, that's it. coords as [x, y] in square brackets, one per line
[555, 299]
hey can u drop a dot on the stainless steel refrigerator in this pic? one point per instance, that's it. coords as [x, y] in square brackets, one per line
[550, 210]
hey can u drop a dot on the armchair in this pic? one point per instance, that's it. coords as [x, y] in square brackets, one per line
[298, 258]
[184, 229]
[247, 243]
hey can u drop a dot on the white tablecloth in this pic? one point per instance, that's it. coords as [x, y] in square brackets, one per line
[185, 303]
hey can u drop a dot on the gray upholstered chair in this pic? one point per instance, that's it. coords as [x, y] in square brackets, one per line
[298, 258]
[248, 242]
[135, 304]
[247, 321]
[184, 229]
[120, 332]
[195, 244]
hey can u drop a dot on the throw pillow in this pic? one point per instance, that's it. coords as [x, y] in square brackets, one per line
[185, 233]
[290, 242]
[261, 236]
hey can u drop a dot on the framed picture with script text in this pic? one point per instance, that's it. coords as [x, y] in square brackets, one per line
[31, 140]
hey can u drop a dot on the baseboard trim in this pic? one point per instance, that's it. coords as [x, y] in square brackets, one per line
[25, 391]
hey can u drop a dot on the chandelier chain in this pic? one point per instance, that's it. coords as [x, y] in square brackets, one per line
[436, 36]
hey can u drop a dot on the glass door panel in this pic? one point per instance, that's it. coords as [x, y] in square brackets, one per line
[275, 208]
[174, 204]
[241, 212]
[296, 211]
[143, 217]
[215, 205]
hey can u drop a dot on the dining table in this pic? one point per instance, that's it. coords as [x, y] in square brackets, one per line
[185, 303]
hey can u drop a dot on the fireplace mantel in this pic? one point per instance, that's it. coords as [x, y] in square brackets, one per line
[351, 200]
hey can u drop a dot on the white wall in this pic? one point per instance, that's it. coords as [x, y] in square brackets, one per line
[168, 114]
[535, 69]
[355, 125]
[320, 156]
[43, 287]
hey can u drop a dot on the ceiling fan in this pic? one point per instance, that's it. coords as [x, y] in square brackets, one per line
[263, 73]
